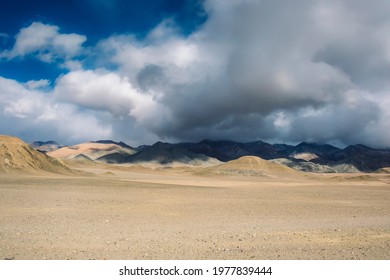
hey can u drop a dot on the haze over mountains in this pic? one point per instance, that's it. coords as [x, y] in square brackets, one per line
[309, 157]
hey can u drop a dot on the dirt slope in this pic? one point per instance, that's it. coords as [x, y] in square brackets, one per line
[90, 149]
[17, 156]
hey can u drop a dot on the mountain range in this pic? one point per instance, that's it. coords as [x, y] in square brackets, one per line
[310, 157]
[91, 150]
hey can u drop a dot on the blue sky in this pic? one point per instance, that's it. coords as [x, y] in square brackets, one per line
[244, 70]
[97, 19]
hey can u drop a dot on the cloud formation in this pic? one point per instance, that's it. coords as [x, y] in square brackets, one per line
[104, 91]
[272, 70]
[37, 84]
[319, 64]
[31, 114]
[46, 43]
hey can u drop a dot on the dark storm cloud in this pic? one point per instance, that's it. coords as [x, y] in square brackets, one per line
[308, 60]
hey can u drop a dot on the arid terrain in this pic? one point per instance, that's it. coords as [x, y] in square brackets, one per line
[226, 212]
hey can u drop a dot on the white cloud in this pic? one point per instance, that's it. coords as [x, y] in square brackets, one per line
[72, 65]
[104, 91]
[34, 115]
[45, 41]
[37, 84]
[180, 59]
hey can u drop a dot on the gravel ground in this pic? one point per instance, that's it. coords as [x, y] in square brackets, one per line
[168, 215]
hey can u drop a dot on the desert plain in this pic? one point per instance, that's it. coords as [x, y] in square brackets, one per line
[133, 212]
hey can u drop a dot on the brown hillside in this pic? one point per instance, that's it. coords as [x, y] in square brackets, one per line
[90, 149]
[253, 166]
[17, 156]
[385, 170]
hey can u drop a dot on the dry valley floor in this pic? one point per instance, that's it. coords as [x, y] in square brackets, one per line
[183, 213]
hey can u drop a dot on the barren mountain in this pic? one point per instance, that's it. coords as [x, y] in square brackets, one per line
[303, 165]
[229, 150]
[313, 150]
[305, 156]
[364, 158]
[46, 146]
[92, 150]
[15, 155]
[309, 157]
[160, 153]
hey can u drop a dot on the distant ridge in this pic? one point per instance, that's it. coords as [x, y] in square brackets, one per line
[92, 150]
[229, 150]
[46, 146]
[17, 156]
[385, 170]
[160, 153]
[121, 144]
[305, 156]
[308, 157]
[83, 158]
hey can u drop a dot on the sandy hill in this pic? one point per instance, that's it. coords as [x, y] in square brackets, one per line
[17, 156]
[253, 166]
[92, 150]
